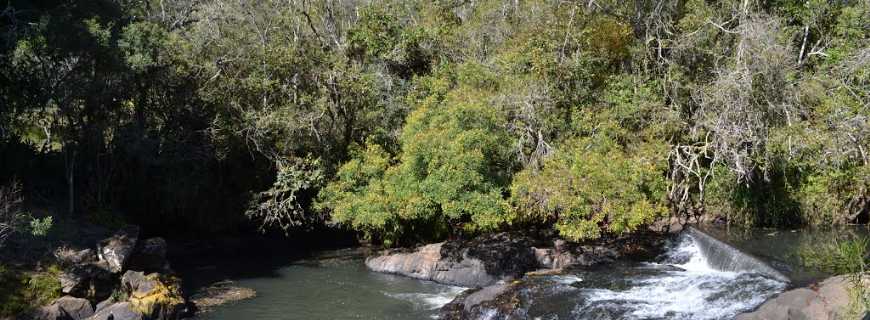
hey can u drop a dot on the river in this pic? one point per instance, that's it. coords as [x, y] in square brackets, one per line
[681, 284]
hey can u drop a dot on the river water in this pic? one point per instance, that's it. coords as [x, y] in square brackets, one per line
[336, 285]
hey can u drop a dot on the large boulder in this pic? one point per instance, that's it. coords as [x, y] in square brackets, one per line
[92, 280]
[116, 250]
[76, 308]
[156, 296]
[470, 263]
[495, 302]
[829, 300]
[49, 312]
[118, 311]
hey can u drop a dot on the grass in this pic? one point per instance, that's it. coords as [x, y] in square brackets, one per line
[23, 291]
[847, 257]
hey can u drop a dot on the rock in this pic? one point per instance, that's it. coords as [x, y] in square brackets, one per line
[70, 257]
[118, 311]
[150, 255]
[496, 302]
[50, 312]
[105, 303]
[828, 301]
[91, 280]
[220, 293]
[470, 263]
[116, 250]
[76, 308]
[156, 296]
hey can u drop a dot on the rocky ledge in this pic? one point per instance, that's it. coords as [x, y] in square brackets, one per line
[494, 258]
[123, 278]
[827, 300]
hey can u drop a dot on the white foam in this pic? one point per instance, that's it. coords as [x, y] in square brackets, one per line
[429, 301]
[567, 279]
[696, 292]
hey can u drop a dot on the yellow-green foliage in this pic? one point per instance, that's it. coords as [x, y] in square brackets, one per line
[590, 190]
[21, 291]
[608, 180]
[454, 163]
[165, 294]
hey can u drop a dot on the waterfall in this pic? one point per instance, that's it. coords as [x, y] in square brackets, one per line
[722, 256]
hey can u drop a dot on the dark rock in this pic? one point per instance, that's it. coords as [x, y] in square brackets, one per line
[70, 257]
[117, 249]
[135, 283]
[90, 280]
[76, 308]
[150, 255]
[118, 311]
[50, 312]
[496, 302]
[471, 263]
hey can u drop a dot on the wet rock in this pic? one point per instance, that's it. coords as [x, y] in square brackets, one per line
[116, 250]
[91, 280]
[495, 302]
[118, 311]
[220, 293]
[827, 301]
[471, 263]
[76, 308]
[150, 255]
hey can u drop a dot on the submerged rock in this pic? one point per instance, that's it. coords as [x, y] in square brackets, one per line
[829, 300]
[220, 293]
[470, 263]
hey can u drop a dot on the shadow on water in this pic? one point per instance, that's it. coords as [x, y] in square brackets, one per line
[205, 262]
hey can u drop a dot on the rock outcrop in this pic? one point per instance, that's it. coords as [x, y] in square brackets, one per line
[116, 250]
[829, 300]
[89, 277]
[64, 308]
[156, 296]
[470, 263]
[118, 311]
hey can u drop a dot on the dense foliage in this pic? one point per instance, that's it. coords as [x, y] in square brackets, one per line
[414, 120]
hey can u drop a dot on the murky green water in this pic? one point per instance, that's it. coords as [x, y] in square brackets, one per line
[681, 285]
[335, 285]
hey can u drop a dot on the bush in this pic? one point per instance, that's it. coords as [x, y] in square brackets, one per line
[454, 164]
[588, 192]
[21, 291]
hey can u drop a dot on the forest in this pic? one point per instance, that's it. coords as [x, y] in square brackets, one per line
[402, 122]
[408, 121]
